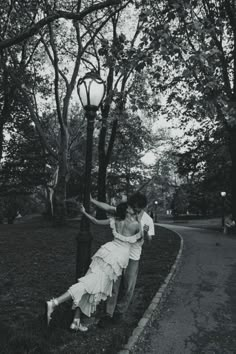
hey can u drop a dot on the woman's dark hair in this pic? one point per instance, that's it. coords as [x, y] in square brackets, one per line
[121, 210]
[137, 200]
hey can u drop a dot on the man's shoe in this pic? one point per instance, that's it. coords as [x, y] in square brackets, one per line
[105, 321]
[117, 317]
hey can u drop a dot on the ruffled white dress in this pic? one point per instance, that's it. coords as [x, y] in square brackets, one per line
[106, 266]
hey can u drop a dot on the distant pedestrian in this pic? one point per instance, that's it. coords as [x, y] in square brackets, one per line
[229, 224]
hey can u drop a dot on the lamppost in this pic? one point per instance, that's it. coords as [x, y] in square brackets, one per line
[223, 195]
[156, 203]
[91, 91]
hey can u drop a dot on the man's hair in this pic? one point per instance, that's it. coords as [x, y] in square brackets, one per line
[137, 200]
[121, 210]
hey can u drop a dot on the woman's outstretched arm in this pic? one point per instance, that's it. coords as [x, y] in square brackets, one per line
[94, 220]
[102, 205]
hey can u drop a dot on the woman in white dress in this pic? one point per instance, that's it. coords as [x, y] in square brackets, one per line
[106, 266]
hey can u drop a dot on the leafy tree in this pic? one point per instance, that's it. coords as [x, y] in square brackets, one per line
[195, 42]
[23, 168]
[118, 53]
[57, 43]
[133, 139]
[180, 203]
[39, 15]
[24, 162]
[163, 177]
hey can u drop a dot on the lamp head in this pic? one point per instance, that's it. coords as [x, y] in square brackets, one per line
[91, 91]
[223, 194]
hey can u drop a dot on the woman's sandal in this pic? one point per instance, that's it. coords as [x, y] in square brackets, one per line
[77, 326]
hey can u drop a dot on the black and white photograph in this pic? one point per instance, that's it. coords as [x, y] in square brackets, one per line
[117, 177]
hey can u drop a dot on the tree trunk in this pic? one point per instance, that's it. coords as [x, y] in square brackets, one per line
[127, 183]
[104, 160]
[6, 107]
[59, 196]
[233, 171]
[1, 210]
[1, 139]
[48, 203]
[102, 174]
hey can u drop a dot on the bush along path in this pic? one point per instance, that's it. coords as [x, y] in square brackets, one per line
[38, 261]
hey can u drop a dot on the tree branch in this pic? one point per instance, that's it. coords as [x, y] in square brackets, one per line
[55, 16]
[56, 79]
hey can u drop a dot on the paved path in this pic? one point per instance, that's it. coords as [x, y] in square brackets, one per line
[199, 314]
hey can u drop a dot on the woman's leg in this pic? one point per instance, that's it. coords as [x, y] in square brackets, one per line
[62, 298]
[76, 325]
[77, 313]
[51, 305]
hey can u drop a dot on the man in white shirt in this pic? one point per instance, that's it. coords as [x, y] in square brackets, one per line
[137, 202]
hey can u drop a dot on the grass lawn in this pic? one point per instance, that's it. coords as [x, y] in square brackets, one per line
[38, 262]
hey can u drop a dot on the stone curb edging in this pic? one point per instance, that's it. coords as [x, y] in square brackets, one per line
[153, 305]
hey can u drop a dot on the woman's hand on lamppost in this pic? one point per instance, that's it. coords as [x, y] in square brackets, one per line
[82, 209]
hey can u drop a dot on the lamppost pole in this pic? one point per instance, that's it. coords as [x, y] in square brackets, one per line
[156, 203]
[91, 90]
[84, 238]
[223, 195]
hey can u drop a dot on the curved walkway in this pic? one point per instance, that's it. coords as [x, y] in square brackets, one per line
[199, 314]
